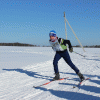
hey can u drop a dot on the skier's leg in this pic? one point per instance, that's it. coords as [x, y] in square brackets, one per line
[69, 62]
[66, 57]
[55, 62]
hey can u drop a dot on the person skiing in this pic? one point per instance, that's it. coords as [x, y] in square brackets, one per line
[59, 46]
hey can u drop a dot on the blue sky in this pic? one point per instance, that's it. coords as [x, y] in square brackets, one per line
[30, 21]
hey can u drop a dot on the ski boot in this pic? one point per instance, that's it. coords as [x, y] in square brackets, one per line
[81, 76]
[57, 76]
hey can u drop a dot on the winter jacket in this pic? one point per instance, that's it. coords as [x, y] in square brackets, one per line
[60, 44]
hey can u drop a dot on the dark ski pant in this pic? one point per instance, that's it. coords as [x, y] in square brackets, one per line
[67, 59]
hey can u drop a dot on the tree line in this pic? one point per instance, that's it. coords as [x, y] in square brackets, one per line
[25, 44]
[92, 46]
[16, 44]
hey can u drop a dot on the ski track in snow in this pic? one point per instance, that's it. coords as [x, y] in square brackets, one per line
[21, 68]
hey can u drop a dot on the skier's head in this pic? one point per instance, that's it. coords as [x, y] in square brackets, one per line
[52, 35]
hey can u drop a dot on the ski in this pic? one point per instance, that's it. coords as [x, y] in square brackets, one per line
[79, 84]
[49, 82]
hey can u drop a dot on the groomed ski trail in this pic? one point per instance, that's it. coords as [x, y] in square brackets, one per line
[17, 83]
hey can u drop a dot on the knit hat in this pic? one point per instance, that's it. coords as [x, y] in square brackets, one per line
[52, 33]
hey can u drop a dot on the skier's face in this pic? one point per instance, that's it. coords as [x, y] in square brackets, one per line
[52, 37]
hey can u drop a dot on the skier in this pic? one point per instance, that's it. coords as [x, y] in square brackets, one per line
[59, 46]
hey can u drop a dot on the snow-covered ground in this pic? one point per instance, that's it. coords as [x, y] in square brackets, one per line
[21, 68]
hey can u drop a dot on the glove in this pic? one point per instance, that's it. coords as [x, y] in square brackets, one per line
[71, 49]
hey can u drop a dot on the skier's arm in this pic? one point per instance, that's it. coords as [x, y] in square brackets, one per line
[67, 42]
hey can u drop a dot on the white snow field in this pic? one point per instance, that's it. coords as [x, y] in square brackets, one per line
[21, 68]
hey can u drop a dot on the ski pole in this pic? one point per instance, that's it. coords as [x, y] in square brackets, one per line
[79, 54]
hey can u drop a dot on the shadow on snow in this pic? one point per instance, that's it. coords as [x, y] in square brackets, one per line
[29, 73]
[92, 59]
[70, 95]
[65, 94]
[85, 87]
